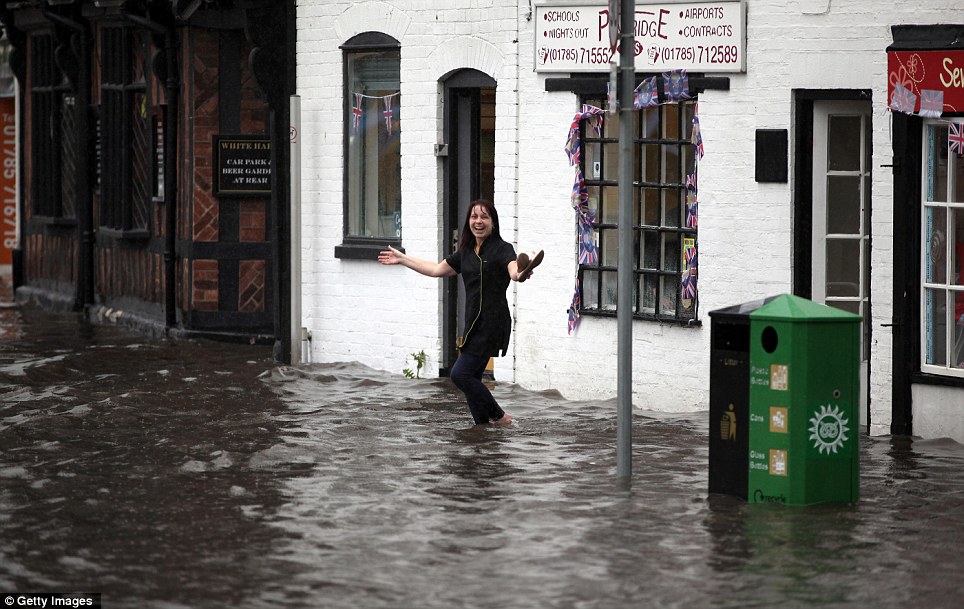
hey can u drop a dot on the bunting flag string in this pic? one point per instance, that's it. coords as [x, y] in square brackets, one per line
[585, 216]
[388, 113]
[358, 109]
[696, 138]
[574, 308]
[645, 95]
[676, 86]
[955, 138]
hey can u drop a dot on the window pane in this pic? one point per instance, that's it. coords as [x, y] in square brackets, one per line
[689, 159]
[651, 207]
[593, 160]
[935, 327]
[609, 291]
[590, 290]
[610, 124]
[935, 255]
[689, 109]
[671, 252]
[671, 207]
[649, 249]
[671, 129]
[936, 163]
[593, 202]
[843, 204]
[843, 267]
[374, 167]
[647, 286]
[671, 169]
[610, 205]
[843, 136]
[650, 123]
[851, 306]
[957, 251]
[650, 163]
[608, 245]
[669, 294]
[611, 162]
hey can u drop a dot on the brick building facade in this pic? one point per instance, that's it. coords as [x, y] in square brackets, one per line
[122, 104]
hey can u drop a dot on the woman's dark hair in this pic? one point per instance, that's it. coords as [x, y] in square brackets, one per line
[468, 239]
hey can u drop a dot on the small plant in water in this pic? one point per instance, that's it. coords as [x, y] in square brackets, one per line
[419, 358]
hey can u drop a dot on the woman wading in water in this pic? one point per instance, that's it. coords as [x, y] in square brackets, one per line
[487, 264]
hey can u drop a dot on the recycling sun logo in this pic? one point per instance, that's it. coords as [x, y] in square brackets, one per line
[828, 429]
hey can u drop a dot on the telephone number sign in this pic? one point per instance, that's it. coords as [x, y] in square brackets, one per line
[696, 36]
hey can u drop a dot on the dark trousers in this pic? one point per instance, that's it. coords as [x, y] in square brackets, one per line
[467, 376]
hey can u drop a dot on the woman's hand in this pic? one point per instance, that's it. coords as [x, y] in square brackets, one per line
[526, 263]
[390, 256]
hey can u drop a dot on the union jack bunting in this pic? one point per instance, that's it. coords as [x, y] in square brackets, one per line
[676, 85]
[697, 137]
[689, 275]
[689, 254]
[584, 219]
[691, 211]
[688, 286]
[645, 94]
[356, 111]
[691, 182]
[903, 100]
[580, 196]
[931, 103]
[574, 139]
[955, 138]
[387, 100]
[574, 308]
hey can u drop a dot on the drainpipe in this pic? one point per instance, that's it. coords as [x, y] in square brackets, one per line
[171, 89]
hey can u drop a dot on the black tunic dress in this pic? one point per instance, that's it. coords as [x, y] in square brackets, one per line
[486, 278]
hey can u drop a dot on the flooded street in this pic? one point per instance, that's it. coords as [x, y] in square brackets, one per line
[190, 474]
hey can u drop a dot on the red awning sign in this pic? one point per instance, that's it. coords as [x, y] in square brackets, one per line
[928, 70]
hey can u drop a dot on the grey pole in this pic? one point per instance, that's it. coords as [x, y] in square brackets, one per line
[624, 274]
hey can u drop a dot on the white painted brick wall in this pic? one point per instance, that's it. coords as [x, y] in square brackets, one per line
[379, 315]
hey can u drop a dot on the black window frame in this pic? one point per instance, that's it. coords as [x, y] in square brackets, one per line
[666, 271]
[52, 196]
[125, 178]
[357, 246]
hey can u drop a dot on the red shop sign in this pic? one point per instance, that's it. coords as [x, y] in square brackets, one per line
[928, 70]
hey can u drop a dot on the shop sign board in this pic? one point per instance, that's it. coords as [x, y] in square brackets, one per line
[8, 180]
[928, 70]
[242, 165]
[693, 36]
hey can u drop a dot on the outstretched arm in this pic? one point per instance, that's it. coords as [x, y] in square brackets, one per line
[425, 267]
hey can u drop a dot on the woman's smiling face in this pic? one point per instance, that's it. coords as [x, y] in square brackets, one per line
[481, 223]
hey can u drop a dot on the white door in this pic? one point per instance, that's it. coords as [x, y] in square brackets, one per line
[841, 216]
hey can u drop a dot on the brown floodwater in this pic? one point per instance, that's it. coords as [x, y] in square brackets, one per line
[189, 474]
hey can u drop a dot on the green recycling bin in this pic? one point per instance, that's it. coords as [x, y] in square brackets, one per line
[804, 394]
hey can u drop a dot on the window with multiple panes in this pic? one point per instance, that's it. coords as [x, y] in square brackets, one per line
[942, 252]
[663, 159]
[53, 137]
[373, 199]
[126, 132]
